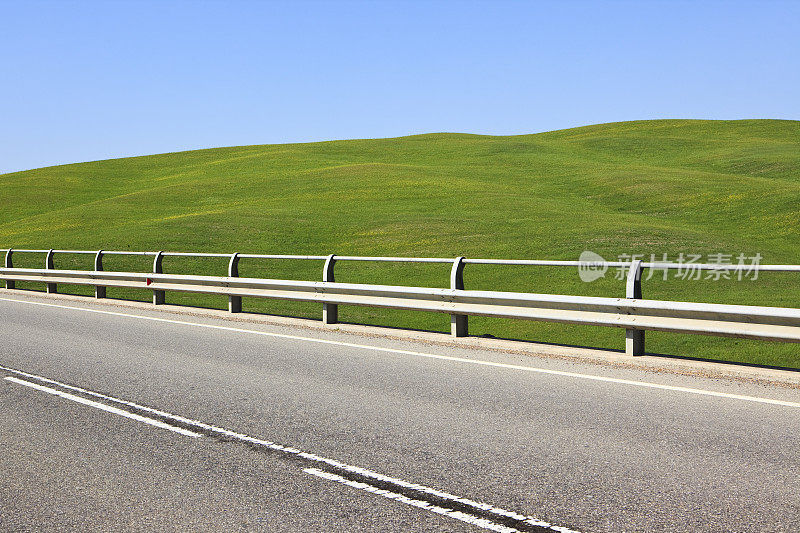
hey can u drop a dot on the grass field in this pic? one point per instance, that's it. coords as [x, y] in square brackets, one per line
[645, 187]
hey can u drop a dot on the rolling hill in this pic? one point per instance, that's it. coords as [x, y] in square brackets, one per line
[645, 187]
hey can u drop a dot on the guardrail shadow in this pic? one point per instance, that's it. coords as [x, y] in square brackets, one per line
[651, 354]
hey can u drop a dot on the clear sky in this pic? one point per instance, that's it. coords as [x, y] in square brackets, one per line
[99, 79]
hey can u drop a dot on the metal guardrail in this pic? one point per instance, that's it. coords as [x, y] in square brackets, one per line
[633, 313]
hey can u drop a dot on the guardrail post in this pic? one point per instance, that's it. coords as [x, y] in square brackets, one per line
[634, 338]
[158, 296]
[234, 302]
[99, 292]
[52, 288]
[9, 264]
[330, 312]
[458, 323]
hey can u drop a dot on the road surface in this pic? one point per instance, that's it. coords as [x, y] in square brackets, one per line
[115, 418]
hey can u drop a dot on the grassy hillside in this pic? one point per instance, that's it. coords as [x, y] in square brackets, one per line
[666, 186]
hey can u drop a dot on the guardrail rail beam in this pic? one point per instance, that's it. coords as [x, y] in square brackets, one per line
[632, 313]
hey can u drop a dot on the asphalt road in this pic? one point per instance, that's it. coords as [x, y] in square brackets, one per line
[131, 419]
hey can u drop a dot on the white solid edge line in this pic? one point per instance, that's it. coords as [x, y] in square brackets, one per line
[104, 407]
[646, 384]
[287, 450]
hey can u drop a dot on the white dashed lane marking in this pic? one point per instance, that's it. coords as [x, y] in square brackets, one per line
[458, 515]
[479, 514]
[104, 407]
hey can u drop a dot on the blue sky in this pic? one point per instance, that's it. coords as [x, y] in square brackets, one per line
[94, 80]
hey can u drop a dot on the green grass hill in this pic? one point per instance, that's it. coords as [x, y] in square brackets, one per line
[644, 187]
